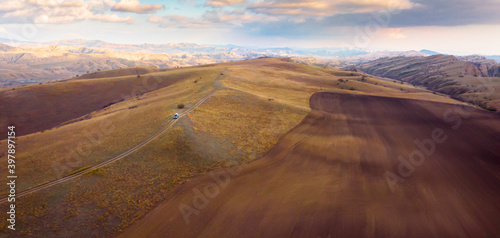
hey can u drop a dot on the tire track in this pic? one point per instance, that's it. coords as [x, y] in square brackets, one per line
[121, 156]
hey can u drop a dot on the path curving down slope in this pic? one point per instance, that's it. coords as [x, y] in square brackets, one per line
[121, 156]
[325, 178]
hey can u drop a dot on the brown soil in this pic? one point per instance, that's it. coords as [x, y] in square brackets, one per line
[326, 178]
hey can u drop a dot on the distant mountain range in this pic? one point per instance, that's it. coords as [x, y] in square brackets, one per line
[28, 62]
[190, 48]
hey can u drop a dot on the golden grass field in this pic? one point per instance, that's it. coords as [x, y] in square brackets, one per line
[259, 102]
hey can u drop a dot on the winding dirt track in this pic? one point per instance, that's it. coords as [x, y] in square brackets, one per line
[325, 178]
[116, 158]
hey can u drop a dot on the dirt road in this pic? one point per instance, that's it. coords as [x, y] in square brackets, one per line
[122, 155]
[331, 176]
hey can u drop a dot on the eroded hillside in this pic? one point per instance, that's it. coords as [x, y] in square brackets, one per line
[475, 82]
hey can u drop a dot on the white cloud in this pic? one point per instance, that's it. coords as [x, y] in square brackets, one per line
[113, 18]
[216, 18]
[223, 3]
[177, 21]
[136, 6]
[55, 3]
[326, 8]
[59, 12]
[11, 5]
[394, 33]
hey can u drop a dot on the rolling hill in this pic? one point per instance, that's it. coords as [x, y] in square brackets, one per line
[470, 79]
[51, 104]
[81, 122]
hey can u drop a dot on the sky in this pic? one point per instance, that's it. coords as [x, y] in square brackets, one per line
[446, 26]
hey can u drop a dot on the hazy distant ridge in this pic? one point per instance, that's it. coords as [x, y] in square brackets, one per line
[27, 62]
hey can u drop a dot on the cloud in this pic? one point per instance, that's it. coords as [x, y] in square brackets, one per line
[326, 8]
[177, 21]
[394, 33]
[332, 19]
[237, 17]
[449, 13]
[136, 6]
[53, 3]
[11, 5]
[401, 13]
[214, 18]
[224, 3]
[59, 12]
[112, 18]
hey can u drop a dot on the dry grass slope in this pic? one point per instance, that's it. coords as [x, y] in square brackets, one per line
[261, 101]
[40, 107]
